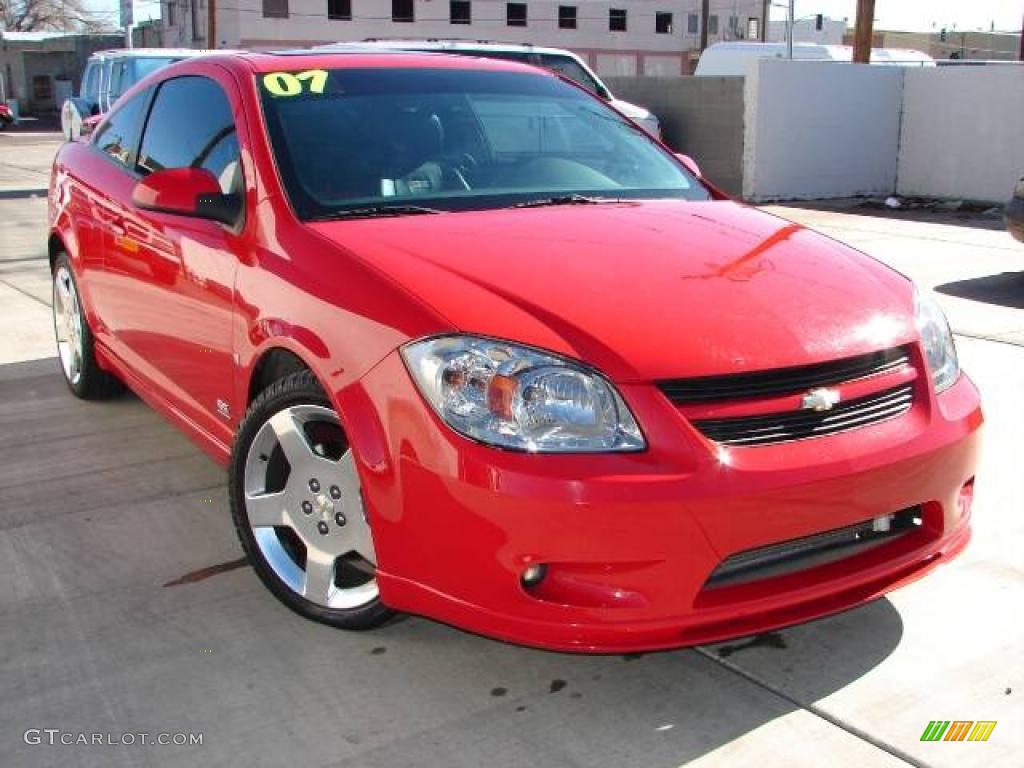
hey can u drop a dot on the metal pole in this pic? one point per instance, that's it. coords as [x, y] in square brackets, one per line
[863, 31]
[789, 30]
[128, 36]
[211, 23]
[765, 13]
[1021, 55]
[705, 11]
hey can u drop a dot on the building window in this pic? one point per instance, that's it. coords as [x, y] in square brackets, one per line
[402, 11]
[567, 17]
[617, 19]
[712, 24]
[734, 26]
[340, 10]
[275, 9]
[663, 23]
[692, 24]
[753, 28]
[459, 12]
[171, 8]
[515, 14]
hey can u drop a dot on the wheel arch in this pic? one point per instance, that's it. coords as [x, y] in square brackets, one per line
[273, 363]
[359, 418]
[54, 247]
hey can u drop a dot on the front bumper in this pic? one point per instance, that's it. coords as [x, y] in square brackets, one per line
[1015, 218]
[630, 540]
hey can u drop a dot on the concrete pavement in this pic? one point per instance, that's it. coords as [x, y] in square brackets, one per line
[124, 609]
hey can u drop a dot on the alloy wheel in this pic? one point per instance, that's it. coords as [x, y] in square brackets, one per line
[67, 322]
[304, 506]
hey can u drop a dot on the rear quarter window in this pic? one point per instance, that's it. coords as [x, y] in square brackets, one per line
[119, 134]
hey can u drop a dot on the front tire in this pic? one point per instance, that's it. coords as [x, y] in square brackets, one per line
[76, 346]
[297, 506]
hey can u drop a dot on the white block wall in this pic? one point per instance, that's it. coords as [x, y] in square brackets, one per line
[820, 130]
[963, 132]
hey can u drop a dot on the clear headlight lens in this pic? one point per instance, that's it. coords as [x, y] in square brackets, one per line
[516, 397]
[937, 340]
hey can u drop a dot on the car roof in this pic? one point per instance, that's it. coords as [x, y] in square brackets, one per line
[358, 56]
[453, 44]
[162, 53]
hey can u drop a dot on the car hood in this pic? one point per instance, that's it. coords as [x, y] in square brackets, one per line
[644, 290]
[632, 111]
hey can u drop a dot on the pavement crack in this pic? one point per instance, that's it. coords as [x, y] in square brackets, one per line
[995, 339]
[23, 292]
[813, 709]
[204, 573]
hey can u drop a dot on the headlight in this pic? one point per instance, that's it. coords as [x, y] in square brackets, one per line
[937, 340]
[516, 397]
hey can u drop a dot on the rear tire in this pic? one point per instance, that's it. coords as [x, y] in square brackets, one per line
[76, 346]
[297, 506]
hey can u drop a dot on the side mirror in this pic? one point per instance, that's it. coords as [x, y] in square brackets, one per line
[187, 192]
[690, 163]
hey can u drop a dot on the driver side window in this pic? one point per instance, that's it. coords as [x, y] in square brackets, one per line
[191, 126]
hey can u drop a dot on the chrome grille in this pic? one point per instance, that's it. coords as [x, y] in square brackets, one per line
[783, 381]
[764, 429]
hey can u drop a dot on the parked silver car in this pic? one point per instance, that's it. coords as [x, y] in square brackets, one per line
[1015, 212]
[107, 75]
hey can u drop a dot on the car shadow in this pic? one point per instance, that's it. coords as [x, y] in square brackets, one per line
[125, 581]
[1005, 289]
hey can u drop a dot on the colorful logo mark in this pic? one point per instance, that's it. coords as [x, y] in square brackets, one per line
[958, 730]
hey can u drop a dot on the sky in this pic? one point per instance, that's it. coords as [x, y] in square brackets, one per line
[920, 15]
[910, 15]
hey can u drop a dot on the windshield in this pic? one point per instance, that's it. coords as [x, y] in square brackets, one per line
[455, 140]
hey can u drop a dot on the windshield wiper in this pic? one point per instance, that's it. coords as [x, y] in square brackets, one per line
[544, 202]
[376, 210]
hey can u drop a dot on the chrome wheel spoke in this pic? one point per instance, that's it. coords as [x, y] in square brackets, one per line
[267, 509]
[357, 530]
[319, 585]
[292, 439]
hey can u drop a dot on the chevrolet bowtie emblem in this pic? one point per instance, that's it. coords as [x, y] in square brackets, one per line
[820, 400]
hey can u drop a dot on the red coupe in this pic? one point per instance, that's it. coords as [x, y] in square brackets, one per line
[474, 346]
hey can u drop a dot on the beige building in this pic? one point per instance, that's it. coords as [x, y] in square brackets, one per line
[951, 45]
[38, 70]
[616, 37]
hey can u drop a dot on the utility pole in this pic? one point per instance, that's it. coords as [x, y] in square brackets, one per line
[211, 24]
[863, 31]
[789, 29]
[765, 12]
[1021, 55]
[705, 11]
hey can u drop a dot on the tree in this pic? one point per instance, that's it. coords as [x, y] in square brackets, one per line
[43, 15]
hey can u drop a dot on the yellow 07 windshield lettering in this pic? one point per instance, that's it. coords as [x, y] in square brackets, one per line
[295, 83]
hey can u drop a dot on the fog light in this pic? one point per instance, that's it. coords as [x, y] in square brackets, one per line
[534, 575]
[882, 524]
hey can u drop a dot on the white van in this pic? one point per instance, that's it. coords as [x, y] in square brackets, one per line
[733, 58]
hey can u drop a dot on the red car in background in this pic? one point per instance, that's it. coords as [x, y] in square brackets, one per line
[473, 346]
[6, 116]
